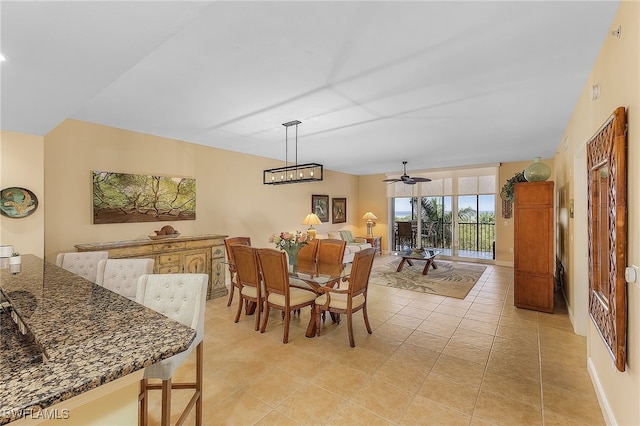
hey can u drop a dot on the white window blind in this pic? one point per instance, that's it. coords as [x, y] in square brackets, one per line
[463, 181]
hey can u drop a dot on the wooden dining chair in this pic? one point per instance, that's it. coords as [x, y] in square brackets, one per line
[309, 252]
[351, 299]
[248, 280]
[306, 256]
[331, 250]
[228, 242]
[278, 293]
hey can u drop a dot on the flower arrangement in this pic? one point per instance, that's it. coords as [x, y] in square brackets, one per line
[289, 240]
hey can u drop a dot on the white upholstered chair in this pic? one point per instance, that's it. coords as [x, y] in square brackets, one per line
[181, 297]
[84, 264]
[121, 275]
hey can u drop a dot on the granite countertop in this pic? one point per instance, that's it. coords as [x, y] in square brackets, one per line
[78, 336]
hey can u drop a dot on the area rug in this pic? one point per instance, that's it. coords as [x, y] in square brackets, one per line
[451, 279]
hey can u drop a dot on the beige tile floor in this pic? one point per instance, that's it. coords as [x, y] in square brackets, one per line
[430, 360]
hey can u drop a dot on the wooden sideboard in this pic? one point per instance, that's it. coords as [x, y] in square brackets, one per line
[195, 254]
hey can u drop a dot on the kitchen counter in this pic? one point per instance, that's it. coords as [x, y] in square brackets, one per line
[77, 337]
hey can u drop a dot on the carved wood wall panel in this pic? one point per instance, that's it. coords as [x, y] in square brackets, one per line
[607, 218]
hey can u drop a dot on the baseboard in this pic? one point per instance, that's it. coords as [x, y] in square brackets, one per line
[607, 413]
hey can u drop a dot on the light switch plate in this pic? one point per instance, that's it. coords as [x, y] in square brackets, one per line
[631, 274]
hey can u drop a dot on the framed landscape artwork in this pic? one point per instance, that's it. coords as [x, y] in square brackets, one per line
[320, 206]
[339, 210]
[127, 198]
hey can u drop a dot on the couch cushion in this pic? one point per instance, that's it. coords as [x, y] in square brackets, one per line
[347, 236]
[322, 236]
[335, 235]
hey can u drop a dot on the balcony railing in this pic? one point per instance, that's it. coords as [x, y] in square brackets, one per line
[472, 237]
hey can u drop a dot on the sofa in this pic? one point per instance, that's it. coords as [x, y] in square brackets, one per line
[353, 246]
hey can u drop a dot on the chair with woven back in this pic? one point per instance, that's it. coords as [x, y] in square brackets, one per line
[278, 292]
[309, 252]
[351, 299]
[228, 242]
[307, 255]
[331, 250]
[248, 280]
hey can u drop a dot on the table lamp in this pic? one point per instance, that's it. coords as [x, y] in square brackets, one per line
[311, 219]
[370, 216]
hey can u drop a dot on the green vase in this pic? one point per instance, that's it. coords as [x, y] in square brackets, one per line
[292, 254]
[537, 171]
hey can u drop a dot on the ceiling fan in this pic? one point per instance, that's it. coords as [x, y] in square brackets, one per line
[406, 179]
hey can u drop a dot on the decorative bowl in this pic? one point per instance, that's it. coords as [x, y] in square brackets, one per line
[417, 250]
[163, 237]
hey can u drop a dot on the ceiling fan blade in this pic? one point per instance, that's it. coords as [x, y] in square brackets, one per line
[421, 179]
[391, 180]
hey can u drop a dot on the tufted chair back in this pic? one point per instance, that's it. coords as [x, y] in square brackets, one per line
[181, 297]
[84, 264]
[121, 275]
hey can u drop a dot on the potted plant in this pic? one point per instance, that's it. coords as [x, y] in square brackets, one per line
[15, 258]
[506, 193]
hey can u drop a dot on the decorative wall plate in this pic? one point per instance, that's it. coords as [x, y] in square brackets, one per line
[17, 202]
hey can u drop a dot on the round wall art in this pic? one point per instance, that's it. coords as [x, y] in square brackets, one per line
[17, 202]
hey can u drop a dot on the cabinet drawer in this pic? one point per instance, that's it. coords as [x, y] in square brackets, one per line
[169, 269]
[178, 245]
[169, 259]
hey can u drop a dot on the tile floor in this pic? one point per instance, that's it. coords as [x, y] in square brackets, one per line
[430, 360]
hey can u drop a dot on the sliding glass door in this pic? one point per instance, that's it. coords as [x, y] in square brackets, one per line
[455, 212]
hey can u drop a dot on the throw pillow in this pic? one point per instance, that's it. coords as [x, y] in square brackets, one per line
[347, 236]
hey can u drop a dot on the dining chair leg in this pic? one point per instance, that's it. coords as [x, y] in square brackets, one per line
[287, 319]
[366, 319]
[265, 317]
[257, 314]
[232, 289]
[318, 314]
[350, 329]
[240, 305]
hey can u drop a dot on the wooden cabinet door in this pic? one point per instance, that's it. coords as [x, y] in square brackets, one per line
[197, 262]
[533, 246]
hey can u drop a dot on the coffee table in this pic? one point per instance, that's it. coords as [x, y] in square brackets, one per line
[428, 255]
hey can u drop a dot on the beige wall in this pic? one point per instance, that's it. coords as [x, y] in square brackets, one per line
[616, 71]
[22, 165]
[231, 198]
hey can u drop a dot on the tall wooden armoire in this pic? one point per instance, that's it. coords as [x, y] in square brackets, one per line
[533, 246]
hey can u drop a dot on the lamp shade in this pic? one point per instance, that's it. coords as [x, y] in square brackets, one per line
[311, 219]
[369, 216]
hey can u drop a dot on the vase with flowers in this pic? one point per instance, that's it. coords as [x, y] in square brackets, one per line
[291, 243]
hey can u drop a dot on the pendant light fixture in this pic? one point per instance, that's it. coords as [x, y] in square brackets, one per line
[295, 173]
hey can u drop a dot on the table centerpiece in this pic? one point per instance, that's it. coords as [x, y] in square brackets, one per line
[291, 243]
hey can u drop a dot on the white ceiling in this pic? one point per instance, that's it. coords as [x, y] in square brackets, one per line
[437, 83]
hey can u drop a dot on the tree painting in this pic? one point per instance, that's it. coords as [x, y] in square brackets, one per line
[127, 198]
